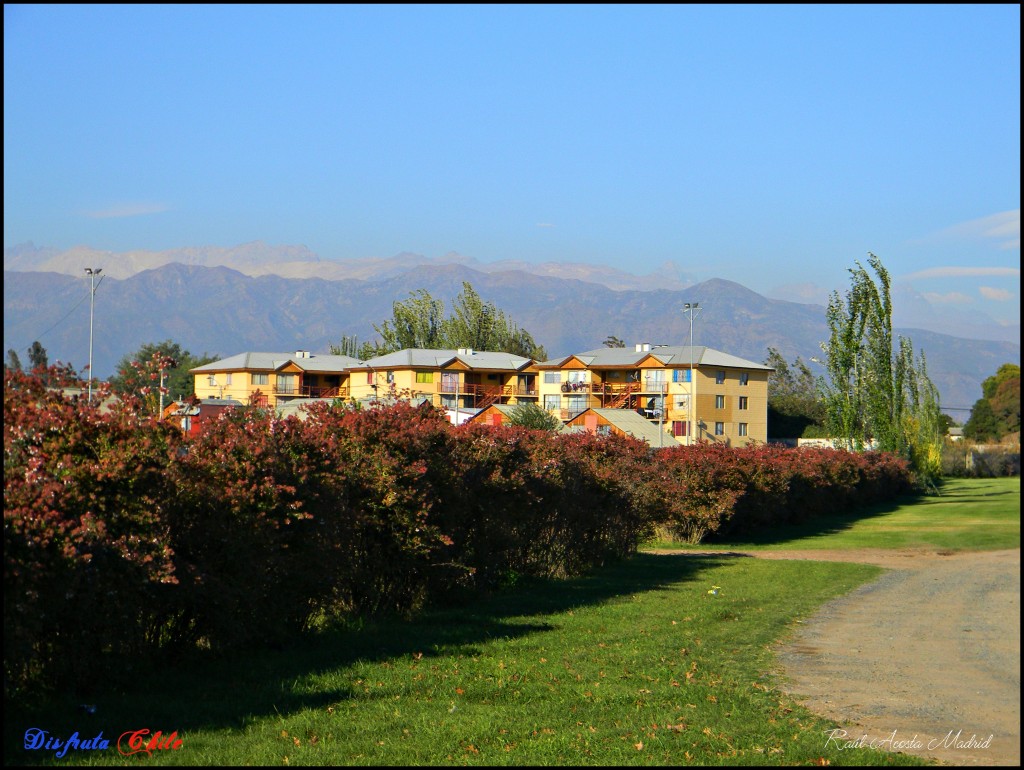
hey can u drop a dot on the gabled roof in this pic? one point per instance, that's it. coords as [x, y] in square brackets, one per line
[184, 408]
[267, 362]
[298, 406]
[421, 358]
[633, 424]
[667, 355]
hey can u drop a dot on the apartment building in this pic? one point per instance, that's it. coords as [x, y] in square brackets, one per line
[686, 393]
[691, 393]
[463, 378]
[274, 379]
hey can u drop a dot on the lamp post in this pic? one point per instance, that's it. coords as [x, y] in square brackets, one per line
[691, 309]
[92, 272]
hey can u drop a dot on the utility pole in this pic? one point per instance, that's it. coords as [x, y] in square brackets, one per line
[691, 309]
[92, 272]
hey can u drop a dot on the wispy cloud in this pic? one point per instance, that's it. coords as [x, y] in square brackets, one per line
[122, 210]
[544, 224]
[1000, 295]
[963, 272]
[952, 298]
[1003, 228]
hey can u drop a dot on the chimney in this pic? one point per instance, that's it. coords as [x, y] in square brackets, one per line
[643, 347]
[465, 351]
[302, 354]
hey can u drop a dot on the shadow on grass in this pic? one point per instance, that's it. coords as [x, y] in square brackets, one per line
[821, 526]
[231, 691]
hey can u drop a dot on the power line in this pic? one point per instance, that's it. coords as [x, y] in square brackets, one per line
[62, 320]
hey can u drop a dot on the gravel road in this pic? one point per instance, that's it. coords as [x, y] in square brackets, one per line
[925, 659]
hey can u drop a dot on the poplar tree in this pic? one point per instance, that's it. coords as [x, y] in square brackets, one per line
[875, 393]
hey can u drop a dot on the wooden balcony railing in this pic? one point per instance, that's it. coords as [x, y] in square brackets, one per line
[484, 392]
[312, 391]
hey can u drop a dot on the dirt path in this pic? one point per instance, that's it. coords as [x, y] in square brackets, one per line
[924, 660]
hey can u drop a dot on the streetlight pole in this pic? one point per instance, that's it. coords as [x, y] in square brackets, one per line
[92, 272]
[691, 309]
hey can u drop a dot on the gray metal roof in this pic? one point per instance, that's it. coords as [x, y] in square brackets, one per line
[635, 425]
[311, 362]
[669, 355]
[298, 406]
[421, 358]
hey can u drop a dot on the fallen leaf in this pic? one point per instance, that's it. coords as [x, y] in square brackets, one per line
[639, 746]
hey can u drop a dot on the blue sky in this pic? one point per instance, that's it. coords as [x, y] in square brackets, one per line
[769, 145]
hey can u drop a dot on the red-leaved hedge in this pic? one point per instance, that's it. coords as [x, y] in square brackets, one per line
[124, 539]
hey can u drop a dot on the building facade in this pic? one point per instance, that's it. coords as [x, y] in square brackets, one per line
[689, 394]
[274, 379]
[692, 393]
[462, 378]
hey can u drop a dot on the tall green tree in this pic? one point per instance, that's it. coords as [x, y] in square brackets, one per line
[37, 358]
[139, 373]
[611, 341]
[421, 322]
[13, 360]
[997, 413]
[416, 323]
[875, 391]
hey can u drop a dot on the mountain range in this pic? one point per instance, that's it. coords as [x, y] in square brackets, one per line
[264, 298]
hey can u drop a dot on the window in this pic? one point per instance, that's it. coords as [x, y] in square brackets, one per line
[682, 375]
[720, 378]
[680, 428]
[449, 381]
[211, 380]
[550, 402]
[390, 377]
[743, 402]
[719, 428]
[228, 376]
[424, 376]
[577, 376]
[260, 378]
[719, 402]
[552, 377]
[286, 383]
[577, 404]
[744, 378]
[743, 429]
[369, 378]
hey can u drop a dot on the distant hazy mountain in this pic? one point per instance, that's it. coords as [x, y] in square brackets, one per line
[221, 311]
[258, 258]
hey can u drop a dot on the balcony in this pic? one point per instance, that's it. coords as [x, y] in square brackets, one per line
[311, 391]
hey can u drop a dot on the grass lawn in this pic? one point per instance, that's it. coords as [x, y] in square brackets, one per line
[967, 514]
[638, 664]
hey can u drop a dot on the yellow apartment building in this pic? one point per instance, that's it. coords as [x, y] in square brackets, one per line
[692, 393]
[686, 393]
[274, 379]
[463, 378]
